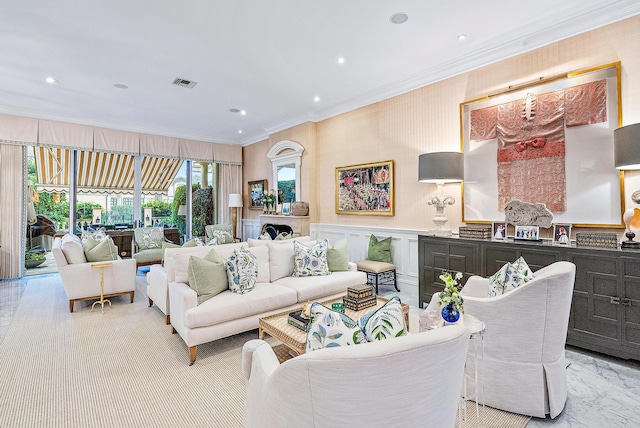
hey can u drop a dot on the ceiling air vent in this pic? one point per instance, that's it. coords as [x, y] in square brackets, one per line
[184, 83]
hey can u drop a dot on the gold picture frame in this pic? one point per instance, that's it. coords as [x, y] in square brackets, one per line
[256, 191]
[365, 189]
[589, 169]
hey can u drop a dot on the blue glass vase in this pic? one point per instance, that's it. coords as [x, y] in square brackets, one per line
[449, 314]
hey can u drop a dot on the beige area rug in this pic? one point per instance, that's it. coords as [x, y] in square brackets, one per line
[123, 368]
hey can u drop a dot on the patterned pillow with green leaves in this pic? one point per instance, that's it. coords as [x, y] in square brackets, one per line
[242, 271]
[509, 277]
[310, 261]
[219, 237]
[148, 238]
[331, 329]
[385, 322]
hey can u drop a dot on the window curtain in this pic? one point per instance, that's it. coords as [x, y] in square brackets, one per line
[230, 180]
[12, 162]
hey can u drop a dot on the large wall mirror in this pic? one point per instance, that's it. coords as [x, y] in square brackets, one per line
[286, 158]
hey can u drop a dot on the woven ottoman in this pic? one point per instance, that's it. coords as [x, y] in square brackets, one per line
[378, 273]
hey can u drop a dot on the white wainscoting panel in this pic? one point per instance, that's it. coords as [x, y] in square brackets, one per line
[404, 248]
[250, 228]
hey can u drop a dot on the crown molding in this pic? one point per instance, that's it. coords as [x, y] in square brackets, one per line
[493, 51]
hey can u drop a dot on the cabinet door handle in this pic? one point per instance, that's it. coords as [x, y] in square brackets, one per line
[626, 302]
[615, 300]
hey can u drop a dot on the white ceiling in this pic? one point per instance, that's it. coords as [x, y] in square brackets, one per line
[268, 57]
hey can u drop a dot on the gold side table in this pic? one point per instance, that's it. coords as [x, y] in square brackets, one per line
[101, 265]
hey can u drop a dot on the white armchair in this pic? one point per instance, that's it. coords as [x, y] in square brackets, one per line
[413, 380]
[526, 330]
[82, 282]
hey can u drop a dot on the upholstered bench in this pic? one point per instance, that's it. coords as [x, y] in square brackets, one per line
[378, 273]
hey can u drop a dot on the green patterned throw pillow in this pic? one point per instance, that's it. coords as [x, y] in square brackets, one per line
[242, 271]
[148, 238]
[509, 277]
[385, 322]
[310, 261]
[208, 275]
[379, 249]
[331, 329]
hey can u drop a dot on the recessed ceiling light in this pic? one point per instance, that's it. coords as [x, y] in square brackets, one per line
[240, 131]
[316, 99]
[399, 18]
[462, 36]
[340, 60]
[51, 80]
[242, 112]
[234, 110]
[121, 86]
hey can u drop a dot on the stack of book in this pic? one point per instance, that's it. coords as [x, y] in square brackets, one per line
[359, 297]
[298, 321]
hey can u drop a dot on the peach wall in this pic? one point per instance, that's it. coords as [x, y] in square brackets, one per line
[255, 166]
[428, 119]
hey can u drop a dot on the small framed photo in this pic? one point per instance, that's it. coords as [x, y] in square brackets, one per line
[499, 230]
[562, 233]
[527, 233]
[286, 208]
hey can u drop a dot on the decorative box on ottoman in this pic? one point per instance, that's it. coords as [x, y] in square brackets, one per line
[359, 304]
[360, 291]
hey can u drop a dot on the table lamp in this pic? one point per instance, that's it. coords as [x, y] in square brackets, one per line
[440, 168]
[235, 202]
[626, 149]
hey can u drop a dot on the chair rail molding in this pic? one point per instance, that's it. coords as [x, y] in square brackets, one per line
[404, 248]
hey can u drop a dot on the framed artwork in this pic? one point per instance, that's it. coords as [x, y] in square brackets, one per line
[365, 189]
[499, 230]
[256, 190]
[562, 233]
[286, 208]
[549, 141]
[527, 233]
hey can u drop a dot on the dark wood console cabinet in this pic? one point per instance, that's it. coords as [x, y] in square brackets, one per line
[605, 311]
[123, 239]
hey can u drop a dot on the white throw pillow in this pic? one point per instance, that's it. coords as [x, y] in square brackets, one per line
[310, 261]
[509, 277]
[262, 257]
[71, 247]
[281, 258]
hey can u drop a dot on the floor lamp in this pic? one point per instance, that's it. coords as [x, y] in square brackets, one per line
[440, 168]
[235, 202]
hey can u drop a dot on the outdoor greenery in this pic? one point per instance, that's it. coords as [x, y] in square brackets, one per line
[180, 198]
[286, 191]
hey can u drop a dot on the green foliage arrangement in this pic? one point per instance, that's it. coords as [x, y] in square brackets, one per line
[451, 295]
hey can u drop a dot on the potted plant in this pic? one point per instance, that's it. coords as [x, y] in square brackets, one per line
[450, 299]
[33, 258]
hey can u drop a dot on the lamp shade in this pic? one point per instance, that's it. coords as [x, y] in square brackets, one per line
[182, 210]
[441, 167]
[626, 147]
[235, 200]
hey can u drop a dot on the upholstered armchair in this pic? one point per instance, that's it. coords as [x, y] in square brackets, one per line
[82, 282]
[413, 380]
[148, 245]
[526, 330]
[218, 234]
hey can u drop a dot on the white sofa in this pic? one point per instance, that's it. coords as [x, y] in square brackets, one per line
[409, 381]
[526, 330]
[230, 313]
[82, 282]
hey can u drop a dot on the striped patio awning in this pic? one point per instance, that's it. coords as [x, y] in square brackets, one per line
[100, 172]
